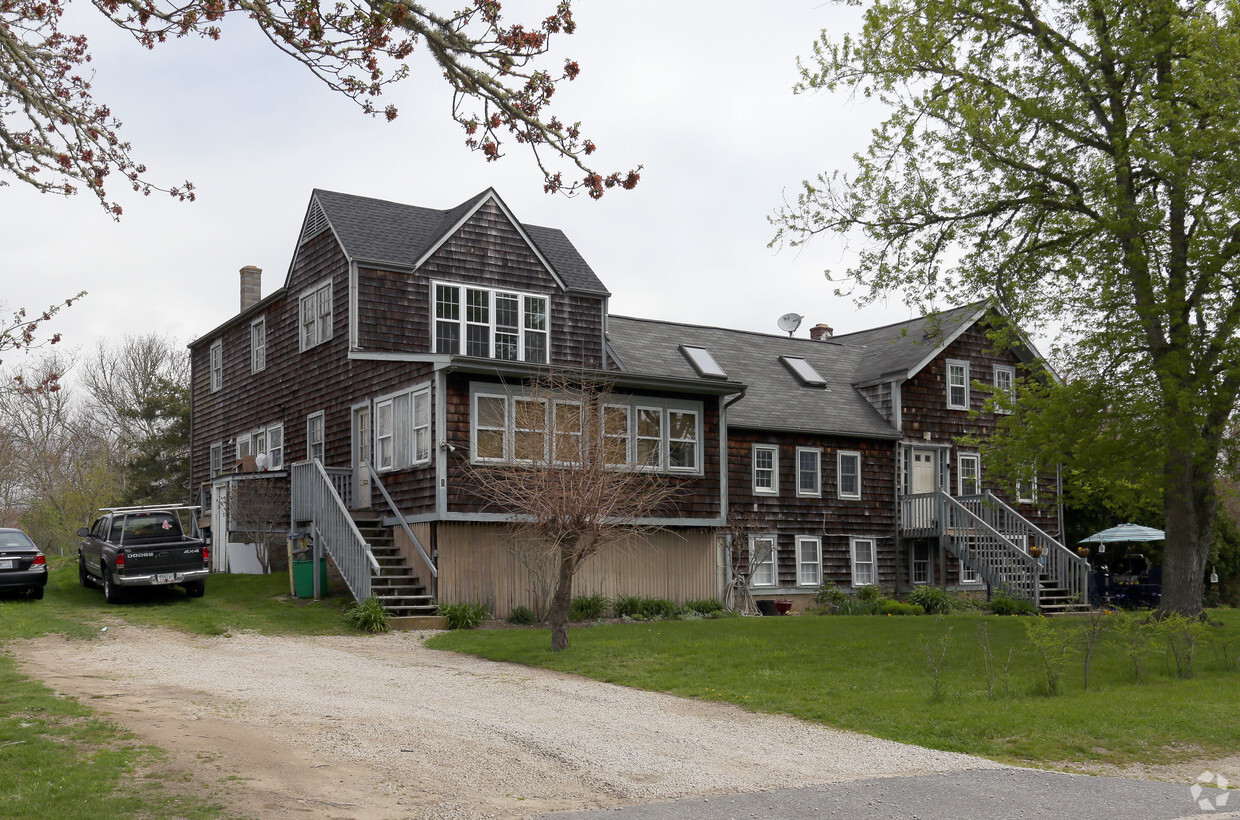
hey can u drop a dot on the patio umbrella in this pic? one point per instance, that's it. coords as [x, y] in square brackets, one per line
[1124, 532]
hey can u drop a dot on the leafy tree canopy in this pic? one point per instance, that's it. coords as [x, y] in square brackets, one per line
[57, 138]
[1076, 161]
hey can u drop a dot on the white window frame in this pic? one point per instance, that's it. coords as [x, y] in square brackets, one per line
[627, 435]
[976, 460]
[575, 450]
[840, 457]
[772, 561]
[814, 491]
[809, 573]
[402, 428]
[963, 368]
[660, 449]
[316, 448]
[525, 331]
[275, 432]
[696, 441]
[913, 561]
[1027, 489]
[217, 365]
[258, 441]
[1006, 391]
[258, 344]
[773, 449]
[215, 461]
[544, 431]
[854, 564]
[314, 316]
[245, 445]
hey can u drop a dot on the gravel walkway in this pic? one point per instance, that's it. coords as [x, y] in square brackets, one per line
[444, 735]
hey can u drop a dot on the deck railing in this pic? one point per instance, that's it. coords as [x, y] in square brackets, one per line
[1068, 571]
[315, 501]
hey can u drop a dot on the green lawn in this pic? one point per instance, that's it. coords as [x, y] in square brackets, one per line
[63, 761]
[870, 674]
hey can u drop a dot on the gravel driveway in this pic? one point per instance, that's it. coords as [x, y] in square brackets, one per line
[381, 727]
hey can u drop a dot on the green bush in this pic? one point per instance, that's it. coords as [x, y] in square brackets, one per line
[646, 609]
[627, 606]
[466, 615]
[522, 615]
[1003, 605]
[890, 607]
[704, 607]
[829, 596]
[933, 600]
[369, 616]
[589, 607]
[870, 594]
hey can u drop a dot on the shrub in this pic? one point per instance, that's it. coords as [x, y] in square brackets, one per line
[829, 595]
[522, 615]
[369, 616]
[933, 600]
[1003, 605]
[704, 607]
[627, 606]
[654, 608]
[1053, 645]
[870, 594]
[466, 615]
[589, 607]
[890, 607]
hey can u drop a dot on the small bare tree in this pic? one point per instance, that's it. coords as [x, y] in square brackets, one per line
[259, 509]
[746, 554]
[573, 481]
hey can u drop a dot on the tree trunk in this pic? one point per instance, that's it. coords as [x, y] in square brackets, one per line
[562, 600]
[1189, 505]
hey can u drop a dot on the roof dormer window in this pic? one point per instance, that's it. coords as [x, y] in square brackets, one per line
[490, 324]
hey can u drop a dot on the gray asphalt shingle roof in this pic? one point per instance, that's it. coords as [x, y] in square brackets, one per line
[376, 230]
[900, 347]
[774, 398]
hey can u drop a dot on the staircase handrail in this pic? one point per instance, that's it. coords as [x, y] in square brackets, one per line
[1069, 570]
[319, 503]
[374, 477]
[1013, 553]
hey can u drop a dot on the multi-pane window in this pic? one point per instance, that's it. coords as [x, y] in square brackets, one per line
[275, 447]
[529, 427]
[762, 561]
[217, 365]
[1027, 488]
[569, 425]
[268, 441]
[765, 469]
[616, 434]
[217, 459]
[315, 447]
[848, 467]
[258, 345]
[403, 429]
[969, 474]
[863, 563]
[957, 385]
[919, 562]
[682, 444]
[809, 471]
[1005, 386]
[490, 324]
[650, 437]
[315, 318]
[490, 428]
[809, 561]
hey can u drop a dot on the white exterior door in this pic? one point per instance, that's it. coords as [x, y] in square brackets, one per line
[362, 446]
[925, 468]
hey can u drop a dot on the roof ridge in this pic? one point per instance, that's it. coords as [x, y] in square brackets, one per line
[728, 330]
[969, 306]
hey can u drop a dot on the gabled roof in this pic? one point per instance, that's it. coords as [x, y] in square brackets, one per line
[388, 233]
[775, 398]
[902, 349]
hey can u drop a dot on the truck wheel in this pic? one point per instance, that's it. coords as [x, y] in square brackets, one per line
[83, 578]
[36, 593]
[195, 589]
[111, 592]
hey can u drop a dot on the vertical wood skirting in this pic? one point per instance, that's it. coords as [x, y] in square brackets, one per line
[476, 563]
[410, 553]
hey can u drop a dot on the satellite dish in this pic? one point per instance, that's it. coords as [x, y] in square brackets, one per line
[790, 322]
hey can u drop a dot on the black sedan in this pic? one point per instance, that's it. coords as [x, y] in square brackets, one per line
[22, 565]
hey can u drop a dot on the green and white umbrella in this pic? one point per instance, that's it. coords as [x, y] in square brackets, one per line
[1124, 532]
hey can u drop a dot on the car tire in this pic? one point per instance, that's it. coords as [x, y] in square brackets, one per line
[111, 591]
[195, 589]
[36, 593]
[83, 576]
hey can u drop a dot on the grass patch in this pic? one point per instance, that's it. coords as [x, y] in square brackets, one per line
[871, 675]
[61, 759]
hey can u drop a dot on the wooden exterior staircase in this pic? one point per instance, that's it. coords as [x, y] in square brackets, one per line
[395, 584]
[1010, 553]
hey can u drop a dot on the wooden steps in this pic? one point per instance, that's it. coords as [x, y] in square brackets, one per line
[397, 587]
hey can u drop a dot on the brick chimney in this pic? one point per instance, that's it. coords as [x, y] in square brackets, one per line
[251, 286]
[820, 331]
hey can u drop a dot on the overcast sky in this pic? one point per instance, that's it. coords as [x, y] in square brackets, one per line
[698, 93]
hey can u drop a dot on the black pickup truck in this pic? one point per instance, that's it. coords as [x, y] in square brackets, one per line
[130, 547]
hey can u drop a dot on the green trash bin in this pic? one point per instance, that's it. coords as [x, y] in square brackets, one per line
[303, 577]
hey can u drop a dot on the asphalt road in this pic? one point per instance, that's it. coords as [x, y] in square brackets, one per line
[994, 794]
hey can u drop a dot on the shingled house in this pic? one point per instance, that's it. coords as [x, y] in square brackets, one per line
[403, 341]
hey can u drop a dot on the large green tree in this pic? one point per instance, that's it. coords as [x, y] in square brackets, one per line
[1077, 161]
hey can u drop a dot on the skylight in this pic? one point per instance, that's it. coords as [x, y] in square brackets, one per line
[804, 371]
[703, 362]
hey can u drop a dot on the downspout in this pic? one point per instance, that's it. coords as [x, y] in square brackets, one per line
[723, 453]
[191, 433]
